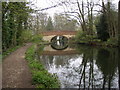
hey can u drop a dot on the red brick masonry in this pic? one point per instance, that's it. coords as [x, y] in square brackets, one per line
[47, 33]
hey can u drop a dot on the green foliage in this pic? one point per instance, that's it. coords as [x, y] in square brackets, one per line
[44, 78]
[26, 35]
[112, 42]
[30, 53]
[102, 28]
[40, 48]
[83, 38]
[37, 38]
[14, 20]
[40, 77]
[36, 65]
[92, 40]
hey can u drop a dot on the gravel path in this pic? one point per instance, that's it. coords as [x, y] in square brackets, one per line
[15, 70]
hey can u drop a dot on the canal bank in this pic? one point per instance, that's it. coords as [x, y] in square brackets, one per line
[40, 76]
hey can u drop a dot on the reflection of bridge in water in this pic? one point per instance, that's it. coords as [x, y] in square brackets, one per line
[47, 36]
[48, 50]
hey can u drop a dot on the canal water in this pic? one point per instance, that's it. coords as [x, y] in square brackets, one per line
[81, 66]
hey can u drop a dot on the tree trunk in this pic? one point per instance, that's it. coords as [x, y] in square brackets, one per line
[81, 11]
[119, 40]
[118, 60]
[119, 23]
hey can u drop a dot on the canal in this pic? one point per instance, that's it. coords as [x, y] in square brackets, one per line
[82, 66]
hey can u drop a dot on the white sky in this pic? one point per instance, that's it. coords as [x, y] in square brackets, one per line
[47, 3]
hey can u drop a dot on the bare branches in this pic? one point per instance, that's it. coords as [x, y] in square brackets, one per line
[57, 5]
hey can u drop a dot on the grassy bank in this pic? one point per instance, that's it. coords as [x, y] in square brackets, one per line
[40, 76]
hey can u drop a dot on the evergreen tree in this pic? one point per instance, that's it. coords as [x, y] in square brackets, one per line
[102, 28]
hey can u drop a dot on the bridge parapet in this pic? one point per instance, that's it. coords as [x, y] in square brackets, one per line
[47, 33]
[47, 36]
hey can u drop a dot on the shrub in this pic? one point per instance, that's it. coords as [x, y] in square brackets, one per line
[83, 38]
[37, 38]
[112, 41]
[26, 36]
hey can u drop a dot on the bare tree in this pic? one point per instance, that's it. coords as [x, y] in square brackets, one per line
[83, 15]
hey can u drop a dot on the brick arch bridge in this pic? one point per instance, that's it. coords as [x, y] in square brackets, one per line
[48, 35]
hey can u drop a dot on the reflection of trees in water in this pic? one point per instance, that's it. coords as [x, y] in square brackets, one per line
[107, 64]
[98, 68]
[87, 75]
[60, 60]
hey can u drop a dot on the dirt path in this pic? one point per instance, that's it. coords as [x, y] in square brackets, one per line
[16, 73]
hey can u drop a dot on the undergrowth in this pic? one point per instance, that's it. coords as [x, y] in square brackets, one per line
[40, 76]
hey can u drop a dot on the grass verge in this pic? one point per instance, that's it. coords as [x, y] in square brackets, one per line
[41, 78]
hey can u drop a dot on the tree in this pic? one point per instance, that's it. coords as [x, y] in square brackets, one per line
[107, 25]
[83, 11]
[119, 40]
[119, 23]
[102, 28]
[49, 25]
[64, 22]
[43, 21]
[58, 22]
[112, 22]
[14, 20]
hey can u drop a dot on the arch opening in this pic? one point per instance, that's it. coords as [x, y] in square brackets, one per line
[59, 42]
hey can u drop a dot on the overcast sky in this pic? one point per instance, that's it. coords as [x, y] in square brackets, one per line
[40, 4]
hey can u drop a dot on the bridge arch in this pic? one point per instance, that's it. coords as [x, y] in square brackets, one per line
[58, 38]
[59, 42]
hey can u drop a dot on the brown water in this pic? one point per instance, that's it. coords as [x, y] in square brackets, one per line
[80, 66]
